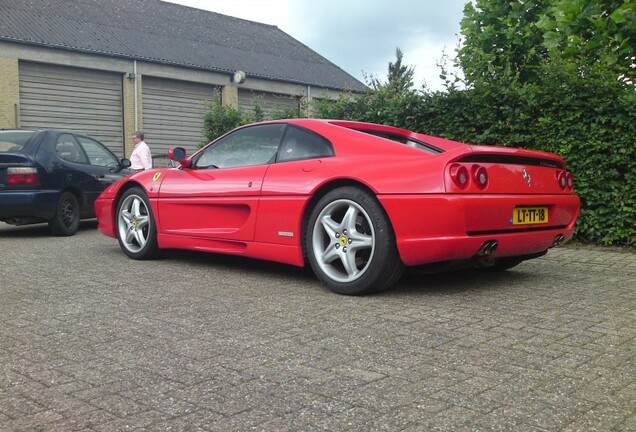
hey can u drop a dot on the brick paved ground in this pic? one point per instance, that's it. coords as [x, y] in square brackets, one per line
[90, 340]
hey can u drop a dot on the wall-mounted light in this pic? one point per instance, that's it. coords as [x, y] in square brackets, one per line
[239, 77]
[131, 76]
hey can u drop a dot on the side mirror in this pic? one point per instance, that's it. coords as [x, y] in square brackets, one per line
[178, 154]
[123, 164]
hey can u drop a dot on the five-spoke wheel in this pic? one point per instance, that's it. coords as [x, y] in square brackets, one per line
[350, 243]
[136, 230]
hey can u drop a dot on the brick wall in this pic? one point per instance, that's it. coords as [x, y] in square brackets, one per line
[9, 93]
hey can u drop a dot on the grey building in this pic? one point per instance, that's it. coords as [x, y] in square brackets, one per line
[109, 67]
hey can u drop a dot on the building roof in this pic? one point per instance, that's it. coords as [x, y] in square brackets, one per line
[161, 32]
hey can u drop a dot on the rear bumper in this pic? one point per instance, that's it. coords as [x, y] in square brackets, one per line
[434, 228]
[40, 204]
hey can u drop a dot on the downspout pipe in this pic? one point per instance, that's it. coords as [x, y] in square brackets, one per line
[136, 93]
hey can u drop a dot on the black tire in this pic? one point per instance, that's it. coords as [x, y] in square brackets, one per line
[67, 216]
[350, 243]
[135, 225]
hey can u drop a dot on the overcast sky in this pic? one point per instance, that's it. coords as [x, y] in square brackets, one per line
[360, 36]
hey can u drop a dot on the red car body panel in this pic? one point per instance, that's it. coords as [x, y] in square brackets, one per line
[260, 211]
[441, 228]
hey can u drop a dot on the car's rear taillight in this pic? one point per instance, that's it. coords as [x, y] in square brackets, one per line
[565, 179]
[462, 178]
[480, 176]
[22, 176]
[459, 174]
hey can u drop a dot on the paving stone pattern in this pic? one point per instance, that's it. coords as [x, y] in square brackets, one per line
[91, 340]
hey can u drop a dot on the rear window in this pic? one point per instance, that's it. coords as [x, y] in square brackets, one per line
[14, 141]
[405, 140]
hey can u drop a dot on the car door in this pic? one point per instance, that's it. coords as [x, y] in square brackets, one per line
[218, 196]
[73, 170]
[100, 166]
[103, 166]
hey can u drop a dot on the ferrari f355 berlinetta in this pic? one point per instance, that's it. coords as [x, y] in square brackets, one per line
[357, 202]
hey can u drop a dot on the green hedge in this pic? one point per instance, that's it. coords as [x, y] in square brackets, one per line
[588, 119]
[586, 116]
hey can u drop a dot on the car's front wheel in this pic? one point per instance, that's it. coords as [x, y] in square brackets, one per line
[350, 243]
[136, 229]
[67, 216]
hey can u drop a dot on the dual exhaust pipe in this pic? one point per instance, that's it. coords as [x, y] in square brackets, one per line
[558, 240]
[490, 246]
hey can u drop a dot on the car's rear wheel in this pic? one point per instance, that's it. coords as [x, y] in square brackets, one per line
[136, 229]
[67, 216]
[350, 243]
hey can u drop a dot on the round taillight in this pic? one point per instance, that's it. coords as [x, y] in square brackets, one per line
[561, 178]
[569, 180]
[459, 174]
[480, 176]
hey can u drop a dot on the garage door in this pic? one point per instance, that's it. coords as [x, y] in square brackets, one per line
[173, 113]
[272, 105]
[80, 100]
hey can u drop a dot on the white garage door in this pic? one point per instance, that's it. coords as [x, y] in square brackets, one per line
[173, 113]
[75, 99]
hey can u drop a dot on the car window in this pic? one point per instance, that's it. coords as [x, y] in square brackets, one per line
[97, 153]
[301, 144]
[253, 145]
[14, 141]
[411, 142]
[68, 149]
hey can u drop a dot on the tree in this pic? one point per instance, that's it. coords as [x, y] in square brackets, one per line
[399, 78]
[514, 40]
[588, 32]
[533, 89]
[502, 39]
[392, 102]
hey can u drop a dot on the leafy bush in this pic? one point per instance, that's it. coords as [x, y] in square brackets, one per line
[298, 111]
[589, 119]
[584, 114]
[220, 119]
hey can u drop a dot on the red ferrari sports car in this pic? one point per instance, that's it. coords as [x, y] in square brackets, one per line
[356, 201]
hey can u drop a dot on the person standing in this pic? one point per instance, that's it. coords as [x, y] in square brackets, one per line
[141, 158]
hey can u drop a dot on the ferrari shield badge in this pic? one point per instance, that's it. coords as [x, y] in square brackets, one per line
[156, 176]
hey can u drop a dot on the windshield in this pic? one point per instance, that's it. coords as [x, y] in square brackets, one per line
[14, 141]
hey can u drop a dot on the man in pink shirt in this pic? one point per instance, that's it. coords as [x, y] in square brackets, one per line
[141, 158]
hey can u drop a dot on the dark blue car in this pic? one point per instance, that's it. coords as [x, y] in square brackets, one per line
[53, 176]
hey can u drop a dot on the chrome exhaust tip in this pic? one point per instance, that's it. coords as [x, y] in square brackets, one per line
[487, 248]
[558, 240]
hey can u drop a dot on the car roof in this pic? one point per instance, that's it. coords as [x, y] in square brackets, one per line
[441, 143]
[19, 130]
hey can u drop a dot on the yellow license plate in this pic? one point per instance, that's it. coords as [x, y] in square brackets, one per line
[530, 215]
